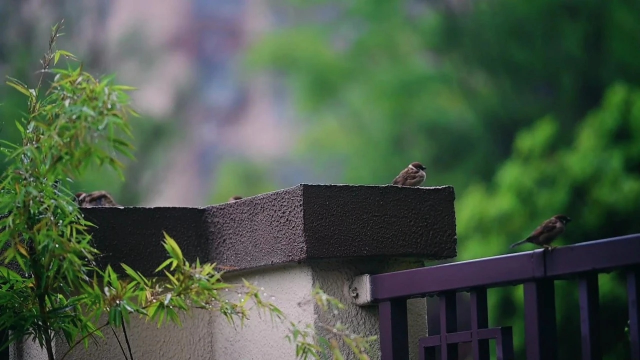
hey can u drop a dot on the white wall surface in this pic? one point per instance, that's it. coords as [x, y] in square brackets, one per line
[207, 335]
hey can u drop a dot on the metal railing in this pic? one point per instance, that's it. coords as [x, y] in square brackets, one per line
[536, 270]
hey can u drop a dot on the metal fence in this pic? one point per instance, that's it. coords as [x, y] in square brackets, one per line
[536, 270]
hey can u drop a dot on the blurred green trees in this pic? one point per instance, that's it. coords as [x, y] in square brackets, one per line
[593, 176]
[528, 108]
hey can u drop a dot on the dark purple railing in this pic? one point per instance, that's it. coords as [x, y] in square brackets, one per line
[537, 270]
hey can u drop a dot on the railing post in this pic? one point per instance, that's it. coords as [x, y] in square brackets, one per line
[589, 317]
[448, 325]
[540, 320]
[633, 295]
[394, 330]
[504, 344]
[479, 320]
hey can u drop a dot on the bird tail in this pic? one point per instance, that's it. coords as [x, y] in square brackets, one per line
[519, 243]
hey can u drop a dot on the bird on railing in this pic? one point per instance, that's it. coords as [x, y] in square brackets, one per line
[413, 175]
[95, 199]
[235, 198]
[546, 233]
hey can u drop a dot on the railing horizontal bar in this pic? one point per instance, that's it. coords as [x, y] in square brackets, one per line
[463, 337]
[600, 255]
[429, 341]
[459, 337]
[488, 334]
[453, 338]
[458, 276]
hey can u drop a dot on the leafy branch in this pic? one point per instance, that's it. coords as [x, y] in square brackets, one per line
[78, 120]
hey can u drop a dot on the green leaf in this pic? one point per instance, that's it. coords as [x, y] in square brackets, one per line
[175, 249]
[322, 341]
[164, 264]
[173, 279]
[20, 87]
[175, 317]
[335, 349]
[134, 274]
[12, 145]
[66, 54]
[19, 126]
[123, 87]
[9, 274]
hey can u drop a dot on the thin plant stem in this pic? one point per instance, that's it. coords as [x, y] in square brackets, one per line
[46, 59]
[42, 307]
[81, 339]
[119, 343]
[126, 338]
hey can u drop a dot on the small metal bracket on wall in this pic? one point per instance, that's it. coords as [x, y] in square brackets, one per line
[359, 290]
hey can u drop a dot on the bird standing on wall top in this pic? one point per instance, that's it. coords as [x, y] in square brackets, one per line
[413, 175]
[235, 198]
[95, 199]
[544, 234]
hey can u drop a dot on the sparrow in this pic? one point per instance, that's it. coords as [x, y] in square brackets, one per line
[413, 175]
[544, 234]
[95, 199]
[235, 198]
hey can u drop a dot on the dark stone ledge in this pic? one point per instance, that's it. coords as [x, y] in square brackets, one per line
[298, 224]
[133, 235]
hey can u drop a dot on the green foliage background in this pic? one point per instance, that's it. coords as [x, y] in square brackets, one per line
[528, 108]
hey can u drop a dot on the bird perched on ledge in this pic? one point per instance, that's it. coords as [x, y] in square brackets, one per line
[544, 234]
[235, 198]
[95, 199]
[413, 175]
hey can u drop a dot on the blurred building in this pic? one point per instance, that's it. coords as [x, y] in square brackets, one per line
[185, 58]
[196, 50]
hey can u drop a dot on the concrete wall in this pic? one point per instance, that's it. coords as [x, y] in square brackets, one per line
[207, 335]
[286, 242]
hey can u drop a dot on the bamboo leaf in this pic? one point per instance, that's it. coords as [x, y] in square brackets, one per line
[164, 264]
[18, 85]
[123, 87]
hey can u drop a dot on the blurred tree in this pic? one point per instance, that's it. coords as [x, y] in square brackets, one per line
[518, 61]
[496, 99]
[357, 78]
[461, 84]
[241, 177]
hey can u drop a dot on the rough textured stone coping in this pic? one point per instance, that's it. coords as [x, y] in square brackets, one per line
[302, 223]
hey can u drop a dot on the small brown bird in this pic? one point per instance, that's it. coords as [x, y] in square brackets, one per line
[95, 199]
[235, 198]
[413, 175]
[544, 234]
